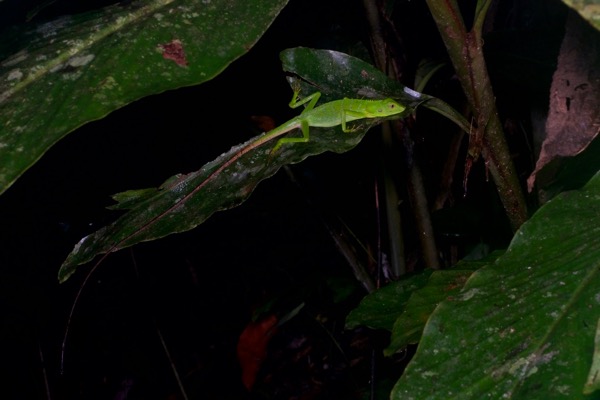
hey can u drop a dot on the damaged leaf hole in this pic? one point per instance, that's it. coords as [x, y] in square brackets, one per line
[174, 51]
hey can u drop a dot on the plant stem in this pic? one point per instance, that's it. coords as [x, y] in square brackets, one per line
[415, 183]
[466, 52]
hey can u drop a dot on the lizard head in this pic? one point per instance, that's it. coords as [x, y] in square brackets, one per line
[384, 108]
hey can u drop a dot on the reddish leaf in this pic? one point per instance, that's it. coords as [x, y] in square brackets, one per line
[252, 347]
[574, 115]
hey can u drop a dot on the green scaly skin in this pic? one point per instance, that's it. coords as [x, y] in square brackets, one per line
[337, 112]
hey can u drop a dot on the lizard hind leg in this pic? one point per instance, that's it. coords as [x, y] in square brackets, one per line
[303, 139]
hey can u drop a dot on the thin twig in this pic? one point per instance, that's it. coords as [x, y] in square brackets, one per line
[75, 302]
[171, 362]
[44, 372]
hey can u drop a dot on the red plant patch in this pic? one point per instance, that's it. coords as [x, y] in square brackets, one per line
[174, 51]
[252, 347]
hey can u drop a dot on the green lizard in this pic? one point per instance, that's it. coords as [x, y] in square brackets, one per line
[337, 112]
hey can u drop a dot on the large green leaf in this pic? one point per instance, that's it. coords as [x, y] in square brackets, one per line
[59, 75]
[380, 309]
[312, 66]
[442, 285]
[185, 201]
[525, 327]
[588, 9]
[404, 306]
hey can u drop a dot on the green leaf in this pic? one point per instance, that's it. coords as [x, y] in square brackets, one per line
[588, 9]
[380, 309]
[404, 306]
[217, 186]
[134, 198]
[131, 198]
[442, 285]
[185, 201]
[593, 381]
[59, 75]
[309, 69]
[524, 327]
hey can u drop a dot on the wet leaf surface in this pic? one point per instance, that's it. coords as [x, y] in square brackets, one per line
[186, 200]
[59, 75]
[524, 327]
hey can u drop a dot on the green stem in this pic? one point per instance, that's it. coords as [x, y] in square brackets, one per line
[466, 53]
